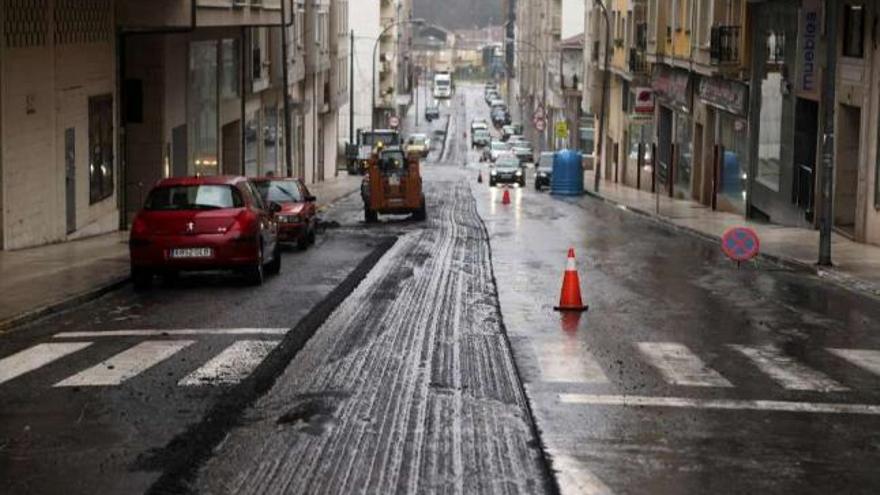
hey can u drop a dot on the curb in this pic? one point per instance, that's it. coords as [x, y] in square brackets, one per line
[21, 319]
[831, 275]
[10, 324]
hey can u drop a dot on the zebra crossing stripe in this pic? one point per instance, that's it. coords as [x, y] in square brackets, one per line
[575, 478]
[127, 364]
[568, 362]
[680, 366]
[36, 357]
[171, 333]
[787, 372]
[720, 404]
[868, 360]
[232, 365]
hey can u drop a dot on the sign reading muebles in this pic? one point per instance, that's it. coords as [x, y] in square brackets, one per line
[807, 84]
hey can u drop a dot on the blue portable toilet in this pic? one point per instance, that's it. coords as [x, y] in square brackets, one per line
[568, 173]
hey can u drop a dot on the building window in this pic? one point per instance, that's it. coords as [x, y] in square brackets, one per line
[229, 78]
[100, 148]
[853, 31]
[202, 107]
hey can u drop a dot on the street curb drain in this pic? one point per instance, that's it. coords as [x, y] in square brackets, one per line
[180, 460]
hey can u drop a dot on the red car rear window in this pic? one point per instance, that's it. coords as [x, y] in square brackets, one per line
[194, 197]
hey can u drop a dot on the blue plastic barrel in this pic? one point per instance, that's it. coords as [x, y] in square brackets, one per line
[568, 173]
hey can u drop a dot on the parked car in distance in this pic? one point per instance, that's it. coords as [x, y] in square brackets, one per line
[507, 171]
[506, 132]
[432, 112]
[297, 219]
[480, 138]
[523, 150]
[544, 170]
[419, 144]
[491, 96]
[204, 223]
[500, 117]
[495, 149]
[479, 124]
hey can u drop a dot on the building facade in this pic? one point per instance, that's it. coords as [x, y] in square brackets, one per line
[102, 98]
[738, 115]
[394, 73]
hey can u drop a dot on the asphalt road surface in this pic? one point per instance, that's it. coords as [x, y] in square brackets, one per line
[425, 357]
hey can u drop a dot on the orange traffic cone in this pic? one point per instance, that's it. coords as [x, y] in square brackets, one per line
[570, 298]
[480, 178]
[505, 198]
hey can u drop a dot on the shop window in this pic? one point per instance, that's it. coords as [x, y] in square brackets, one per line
[251, 132]
[684, 159]
[853, 31]
[229, 69]
[202, 107]
[271, 140]
[100, 148]
[770, 135]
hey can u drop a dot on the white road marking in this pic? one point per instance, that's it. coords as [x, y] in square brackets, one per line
[787, 372]
[232, 365]
[575, 479]
[172, 333]
[567, 362]
[36, 357]
[680, 366]
[866, 359]
[749, 405]
[127, 364]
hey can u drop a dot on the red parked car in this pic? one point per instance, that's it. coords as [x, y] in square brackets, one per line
[204, 223]
[297, 219]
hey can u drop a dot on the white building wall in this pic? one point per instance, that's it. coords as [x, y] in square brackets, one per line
[46, 88]
[364, 20]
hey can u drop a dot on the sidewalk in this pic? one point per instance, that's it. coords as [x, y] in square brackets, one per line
[856, 265]
[38, 281]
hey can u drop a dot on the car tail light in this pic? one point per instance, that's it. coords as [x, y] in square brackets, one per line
[244, 228]
[139, 232]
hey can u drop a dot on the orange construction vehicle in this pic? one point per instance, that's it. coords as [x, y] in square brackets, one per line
[393, 185]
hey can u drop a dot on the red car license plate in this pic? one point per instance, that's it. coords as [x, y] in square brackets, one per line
[192, 253]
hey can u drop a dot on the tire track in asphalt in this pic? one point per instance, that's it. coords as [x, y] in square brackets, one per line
[408, 387]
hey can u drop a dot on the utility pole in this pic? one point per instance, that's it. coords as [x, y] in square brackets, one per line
[416, 72]
[288, 141]
[828, 92]
[597, 162]
[351, 92]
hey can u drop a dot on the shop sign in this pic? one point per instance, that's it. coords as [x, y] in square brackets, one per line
[727, 95]
[809, 30]
[672, 86]
[644, 100]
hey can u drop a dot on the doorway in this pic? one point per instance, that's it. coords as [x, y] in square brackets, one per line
[70, 178]
[805, 135]
[664, 148]
[178, 151]
[231, 157]
[846, 177]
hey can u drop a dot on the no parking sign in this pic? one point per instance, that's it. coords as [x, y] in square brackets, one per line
[740, 244]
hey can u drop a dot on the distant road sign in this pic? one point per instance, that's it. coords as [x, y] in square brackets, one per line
[562, 129]
[740, 244]
[394, 121]
[540, 124]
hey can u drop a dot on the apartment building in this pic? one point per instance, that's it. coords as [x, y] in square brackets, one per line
[541, 26]
[100, 99]
[363, 19]
[394, 65]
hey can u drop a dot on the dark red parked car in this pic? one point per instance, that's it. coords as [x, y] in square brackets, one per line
[204, 223]
[297, 219]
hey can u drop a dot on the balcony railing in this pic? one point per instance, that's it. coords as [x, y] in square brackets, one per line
[638, 63]
[724, 45]
[642, 36]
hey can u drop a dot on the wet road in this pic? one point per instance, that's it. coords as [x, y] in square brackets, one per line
[413, 357]
[687, 375]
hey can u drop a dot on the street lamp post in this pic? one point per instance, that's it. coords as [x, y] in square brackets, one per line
[602, 114]
[417, 22]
